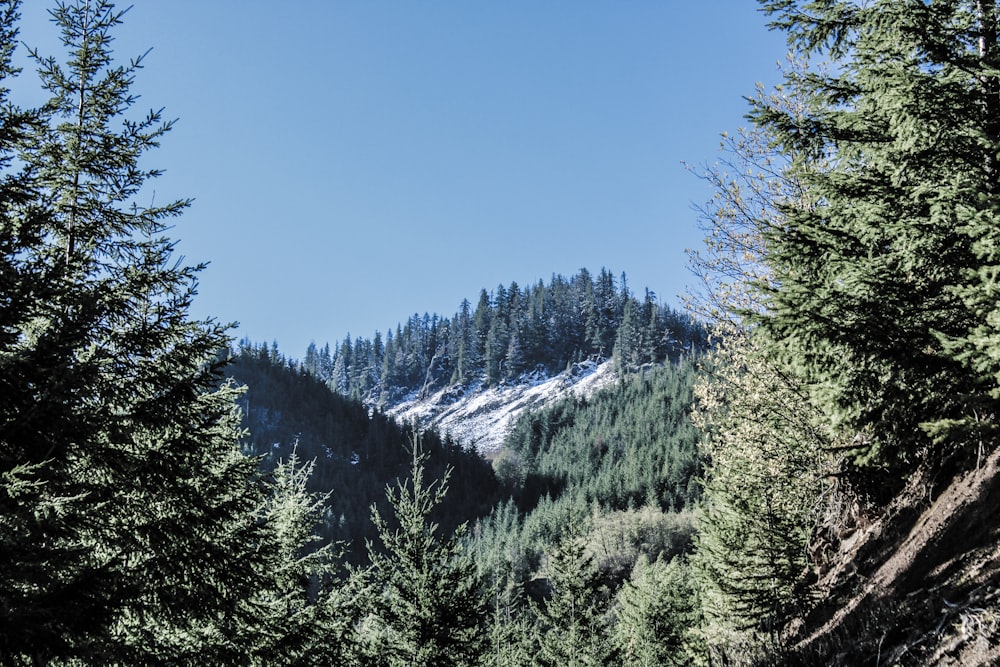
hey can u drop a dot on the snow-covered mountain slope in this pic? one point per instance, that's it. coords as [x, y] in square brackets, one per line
[482, 416]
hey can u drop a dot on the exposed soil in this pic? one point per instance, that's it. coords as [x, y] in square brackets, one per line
[918, 586]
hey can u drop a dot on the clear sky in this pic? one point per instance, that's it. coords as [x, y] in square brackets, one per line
[354, 162]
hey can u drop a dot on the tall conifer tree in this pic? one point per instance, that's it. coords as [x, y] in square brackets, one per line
[885, 263]
[54, 593]
[430, 601]
[130, 529]
[572, 632]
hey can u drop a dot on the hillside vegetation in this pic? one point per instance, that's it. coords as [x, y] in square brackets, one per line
[355, 452]
[509, 332]
[850, 411]
[594, 480]
[804, 473]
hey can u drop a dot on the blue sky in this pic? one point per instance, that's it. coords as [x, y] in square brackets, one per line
[355, 162]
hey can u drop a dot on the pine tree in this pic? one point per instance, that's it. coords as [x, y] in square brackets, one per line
[885, 259]
[325, 363]
[655, 610]
[341, 380]
[461, 344]
[308, 608]
[497, 344]
[510, 641]
[54, 594]
[572, 629]
[429, 604]
[762, 486]
[120, 449]
[628, 352]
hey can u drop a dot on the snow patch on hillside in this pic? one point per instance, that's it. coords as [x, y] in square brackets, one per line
[483, 416]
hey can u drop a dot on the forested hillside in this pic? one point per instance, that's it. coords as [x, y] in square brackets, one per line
[818, 486]
[631, 444]
[509, 331]
[355, 453]
[587, 560]
[602, 487]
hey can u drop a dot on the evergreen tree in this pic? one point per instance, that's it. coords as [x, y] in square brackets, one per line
[655, 610]
[461, 345]
[482, 318]
[653, 348]
[325, 363]
[341, 380]
[763, 483]
[55, 596]
[510, 641]
[376, 360]
[535, 342]
[429, 602]
[497, 343]
[609, 309]
[571, 624]
[885, 260]
[119, 447]
[628, 352]
[310, 363]
[309, 609]
[514, 358]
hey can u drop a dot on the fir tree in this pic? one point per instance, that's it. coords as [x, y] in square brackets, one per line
[572, 628]
[656, 609]
[120, 449]
[308, 608]
[429, 600]
[55, 597]
[885, 259]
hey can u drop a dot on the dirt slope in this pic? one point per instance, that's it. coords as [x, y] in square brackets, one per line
[918, 586]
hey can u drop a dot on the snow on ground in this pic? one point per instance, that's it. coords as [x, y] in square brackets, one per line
[482, 417]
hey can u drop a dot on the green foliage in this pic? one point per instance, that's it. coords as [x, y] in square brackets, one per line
[558, 542]
[54, 597]
[582, 515]
[762, 493]
[356, 452]
[309, 608]
[617, 541]
[655, 611]
[629, 445]
[429, 606]
[884, 261]
[511, 641]
[572, 624]
[761, 437]
[117, 441]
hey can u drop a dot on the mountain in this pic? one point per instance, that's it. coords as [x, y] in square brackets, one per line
[470, 375]
[356, 410]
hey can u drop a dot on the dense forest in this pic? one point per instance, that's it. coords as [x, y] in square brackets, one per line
[601, 473]
[817, 486]
[509, 332]
[354, 452]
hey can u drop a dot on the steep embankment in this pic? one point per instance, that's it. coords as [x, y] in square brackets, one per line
[918, 586]
[482, 416]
